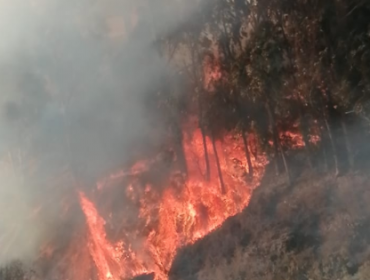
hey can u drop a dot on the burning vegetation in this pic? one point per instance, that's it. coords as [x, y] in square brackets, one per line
[181, 209]
[135, 130]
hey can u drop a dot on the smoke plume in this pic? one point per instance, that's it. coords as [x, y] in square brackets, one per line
[73, 77]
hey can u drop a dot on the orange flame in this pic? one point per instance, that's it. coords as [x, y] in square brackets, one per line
[175, 217]
[292, 139]
[100, 248]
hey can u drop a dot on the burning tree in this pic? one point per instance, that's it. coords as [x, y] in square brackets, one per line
[249, 82]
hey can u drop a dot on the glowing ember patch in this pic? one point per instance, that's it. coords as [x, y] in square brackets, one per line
[292, 139]
[211, 73]
[314, 139]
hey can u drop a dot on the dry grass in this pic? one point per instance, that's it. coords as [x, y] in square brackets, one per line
[317, 229]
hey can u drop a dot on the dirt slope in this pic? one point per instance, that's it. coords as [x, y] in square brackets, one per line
[319, 228]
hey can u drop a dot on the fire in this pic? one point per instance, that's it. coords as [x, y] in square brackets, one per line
[211, 72]
[179, 214]
[100, 249]
[293, 139]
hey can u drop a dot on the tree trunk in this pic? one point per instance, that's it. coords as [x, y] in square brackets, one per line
[303, 128]
[275, 138]
[181, 158]
[286, 167]
[302, 123]
[328, 114]
[223, 189]
[277, 146]
[324, 153]
[244, 136]
[202, 130]
[347, 143]
[247, 154]
[333, 146]
[194, 53]
[206, 158]
[177, 136]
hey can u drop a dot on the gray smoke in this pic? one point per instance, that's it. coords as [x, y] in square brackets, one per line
[73, 78]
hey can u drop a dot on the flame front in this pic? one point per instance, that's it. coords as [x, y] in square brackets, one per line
[100, 249]
[176, 216]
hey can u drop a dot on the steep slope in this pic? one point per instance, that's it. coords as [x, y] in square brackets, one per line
[319, 228]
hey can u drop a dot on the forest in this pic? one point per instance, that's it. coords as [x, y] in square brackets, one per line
[277, 64]
[244, 67]
[239, 67]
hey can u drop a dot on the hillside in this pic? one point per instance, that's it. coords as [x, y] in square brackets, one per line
[316, 229]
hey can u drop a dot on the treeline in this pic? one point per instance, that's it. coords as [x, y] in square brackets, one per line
[243, 65]
[262, 66]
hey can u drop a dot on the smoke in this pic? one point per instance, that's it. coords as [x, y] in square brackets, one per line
[73, 78]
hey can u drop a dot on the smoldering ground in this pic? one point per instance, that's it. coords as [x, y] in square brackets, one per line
[73, 80]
